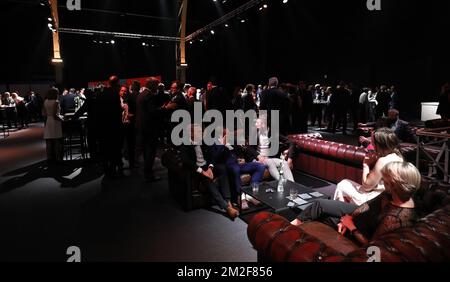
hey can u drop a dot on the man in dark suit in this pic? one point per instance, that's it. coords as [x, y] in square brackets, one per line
[273, 99]
[110, 124]
[306, 103]
[149, 121]
[444, 102]
[130, 130]
[217, 99]
[177, 99]
[340, 102]
[198, 159]
[227, 155]
[383, 99]
[68, 102]
[400, 127]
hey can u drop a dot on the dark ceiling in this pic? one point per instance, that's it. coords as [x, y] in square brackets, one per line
[314, 40]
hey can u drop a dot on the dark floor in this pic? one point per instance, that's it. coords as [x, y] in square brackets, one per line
[44, 211]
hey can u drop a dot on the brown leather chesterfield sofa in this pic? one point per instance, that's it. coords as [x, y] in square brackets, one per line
[329, 161]
[427, 241]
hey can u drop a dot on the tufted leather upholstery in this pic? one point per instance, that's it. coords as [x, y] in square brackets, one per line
[428, 240]
[328, 160]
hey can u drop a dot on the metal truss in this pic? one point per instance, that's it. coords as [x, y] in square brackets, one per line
[117, 34]
[250, 4]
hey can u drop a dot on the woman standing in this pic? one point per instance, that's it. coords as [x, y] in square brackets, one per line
[53, 126]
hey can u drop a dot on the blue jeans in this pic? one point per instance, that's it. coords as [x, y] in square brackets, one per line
[256, 170]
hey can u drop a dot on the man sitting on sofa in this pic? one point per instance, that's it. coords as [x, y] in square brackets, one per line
[400, 127]
[197, 157]
[260, 153]
[227, 155]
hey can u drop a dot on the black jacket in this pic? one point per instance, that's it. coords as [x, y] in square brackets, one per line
[275, 100]
[189, 158]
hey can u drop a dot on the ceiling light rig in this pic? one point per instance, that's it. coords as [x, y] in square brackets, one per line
[224, 21]
[117, 34]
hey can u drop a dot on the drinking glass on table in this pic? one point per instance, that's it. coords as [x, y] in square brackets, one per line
[293, 193]
[255, 187]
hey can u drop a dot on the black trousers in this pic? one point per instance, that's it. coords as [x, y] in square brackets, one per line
[220, 187]
[317, 115]
[93, 142]
[327, 211]
[340, 117]
[149, 148]
[130, 137]
[110, 150]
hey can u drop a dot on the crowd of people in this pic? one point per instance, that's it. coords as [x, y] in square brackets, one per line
[19, 111]
[126, 122]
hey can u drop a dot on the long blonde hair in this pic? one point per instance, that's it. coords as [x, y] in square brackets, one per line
[386, 142]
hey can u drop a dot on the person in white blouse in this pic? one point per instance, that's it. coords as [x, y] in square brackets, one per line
[387, 150]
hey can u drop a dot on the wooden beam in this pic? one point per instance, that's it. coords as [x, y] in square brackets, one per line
[181, 48]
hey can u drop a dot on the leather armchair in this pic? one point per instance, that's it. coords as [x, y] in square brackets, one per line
[185, 186]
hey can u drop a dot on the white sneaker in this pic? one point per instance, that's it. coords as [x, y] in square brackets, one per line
[244, 205]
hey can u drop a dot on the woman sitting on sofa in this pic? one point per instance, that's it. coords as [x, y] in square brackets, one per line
[387, 150]
[392, 210]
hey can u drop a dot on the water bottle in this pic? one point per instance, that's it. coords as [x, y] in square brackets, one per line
[281, 182]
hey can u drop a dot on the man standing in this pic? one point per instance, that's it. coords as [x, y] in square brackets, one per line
[340, 101]
[384, 100]
[306, 104]
[149, 117]
[110, 123]
[218, 99]
[273, 99]
[68, 102]
[317, 106]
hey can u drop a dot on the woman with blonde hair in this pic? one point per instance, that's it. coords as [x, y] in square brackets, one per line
[387, 150]
[392, 210]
